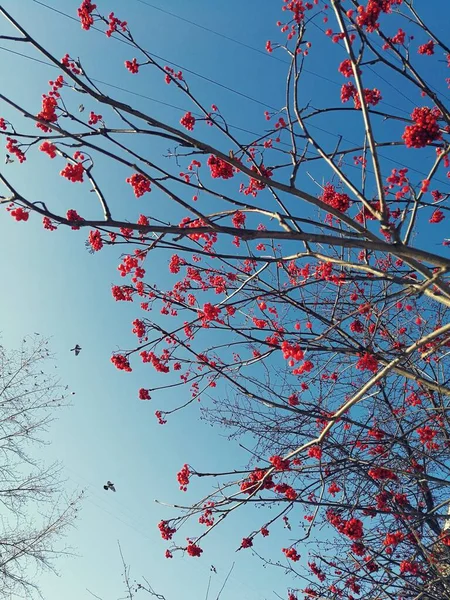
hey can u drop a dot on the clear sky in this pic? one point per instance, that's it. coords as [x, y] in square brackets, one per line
[53, 286]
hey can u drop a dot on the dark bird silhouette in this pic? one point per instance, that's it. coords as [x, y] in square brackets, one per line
[109, 486]
[76, 349]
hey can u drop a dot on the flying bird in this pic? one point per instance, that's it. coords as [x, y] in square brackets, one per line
[109, 486]
[76, 349]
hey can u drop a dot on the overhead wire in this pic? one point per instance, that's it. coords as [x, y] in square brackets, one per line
[273, 56]
[217, 33]
[181, 109]
[161, 102]
[166, 60]
[74, 19]
[205, 77]
[131, 522]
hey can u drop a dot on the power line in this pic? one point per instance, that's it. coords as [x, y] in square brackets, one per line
[136, 525]
[166, 60]
[167, 104]
[181, 109]
[222, 35]
[117, 87]
[273, 56]
[213, 81]
[205, 77]
[68, 16]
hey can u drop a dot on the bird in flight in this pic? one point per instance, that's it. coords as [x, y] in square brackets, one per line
[76, 349]
[109, 486]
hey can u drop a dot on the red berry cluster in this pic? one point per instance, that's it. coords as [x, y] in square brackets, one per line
[95, 240]
[367, 362]
[172, 75]
[298, 8]
[293, 400]
[410, 566]
[70, 64]
[220, 168]
[254, 185]
[382, 474]
[132, 65]
[114, 23]
[206, 518]
[73, 216]
[48, 148]
[337, 200]
[139, 328]
[193, 550]
[238, 219]
[427, 49]
[209, 313]
[427, 435]
[166, 530]
[121, 362]
[280, 463]
[437, 216]
[85, 14]
[19, 214]
[257, 480]
[183, 477]
[315, 452]
[73, 172]
[159, 363]
[356, 326]
[46, 222]
[317, 571]
[48, 112]
[425, 129]
[348, 90]
[399, 38]
[176, 263]
[292, 352]
[50, 103]
[140, 184]
[13, 148]
[334, 488]
[94, 119]
[345, 68]
[291, 553]
[353, 528]
[393, 539]
[188, 121]
[368, 16]
[161, 420]
[371, 97]
[144, 394]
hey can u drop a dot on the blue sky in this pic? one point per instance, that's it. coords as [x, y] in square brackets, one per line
[55, 287]
[52, 285]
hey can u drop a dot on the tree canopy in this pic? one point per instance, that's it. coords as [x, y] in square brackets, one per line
[306, 296]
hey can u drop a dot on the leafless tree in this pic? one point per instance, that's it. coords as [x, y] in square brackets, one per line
[33, 510]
